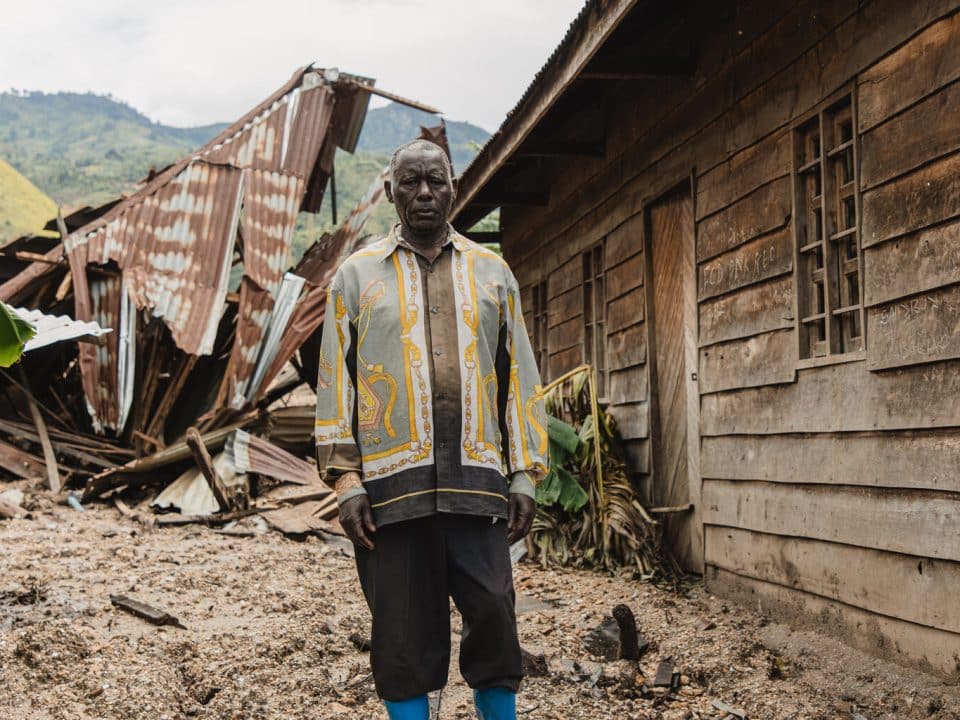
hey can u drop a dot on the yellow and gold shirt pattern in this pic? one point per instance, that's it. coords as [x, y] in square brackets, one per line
[428, 385]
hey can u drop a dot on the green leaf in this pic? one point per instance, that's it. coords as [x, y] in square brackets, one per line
[14, 334]
[562, 434]
[571, 496]
[548, 491]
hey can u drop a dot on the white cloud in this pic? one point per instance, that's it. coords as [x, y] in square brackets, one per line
[191, 62]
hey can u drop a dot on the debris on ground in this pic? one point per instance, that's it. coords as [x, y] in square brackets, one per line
[151, 614]
[270, 623]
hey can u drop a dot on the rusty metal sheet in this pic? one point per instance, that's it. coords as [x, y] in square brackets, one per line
[249, 453]
[98, 363]
[174, 247]
[271, 202]
[253, 314]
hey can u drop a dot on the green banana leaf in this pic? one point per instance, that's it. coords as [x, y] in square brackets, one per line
[15, 332]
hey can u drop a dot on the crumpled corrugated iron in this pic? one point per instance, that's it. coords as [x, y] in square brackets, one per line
[173, 242]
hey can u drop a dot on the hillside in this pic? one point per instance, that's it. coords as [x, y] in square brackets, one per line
[23, 207]
[85, 149]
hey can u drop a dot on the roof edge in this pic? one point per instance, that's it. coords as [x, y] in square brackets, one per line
[564, 65]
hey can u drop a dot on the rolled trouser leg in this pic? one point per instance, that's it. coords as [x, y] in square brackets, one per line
[416, 708]
[481, 583]
[495, 703]
[404, 582]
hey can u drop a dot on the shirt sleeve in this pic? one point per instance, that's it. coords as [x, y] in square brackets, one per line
[525, 415]
[337, 449]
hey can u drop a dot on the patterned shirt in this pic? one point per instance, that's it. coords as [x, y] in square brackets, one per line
[428, 385]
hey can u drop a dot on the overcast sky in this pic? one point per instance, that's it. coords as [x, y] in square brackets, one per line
[192, 62]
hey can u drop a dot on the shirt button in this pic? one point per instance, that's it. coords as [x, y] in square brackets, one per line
[441, 396]
[435, 309]
[441, 445]
[438, 353]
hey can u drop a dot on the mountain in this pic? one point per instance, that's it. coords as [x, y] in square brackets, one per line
[86, 149]
[388, 127]
[23, 208]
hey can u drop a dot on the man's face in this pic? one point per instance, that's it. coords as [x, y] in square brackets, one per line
[422, 190]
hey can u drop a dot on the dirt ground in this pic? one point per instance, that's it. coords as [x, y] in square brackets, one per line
[269, 622]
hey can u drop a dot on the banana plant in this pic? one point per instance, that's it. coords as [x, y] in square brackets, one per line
[15, 332]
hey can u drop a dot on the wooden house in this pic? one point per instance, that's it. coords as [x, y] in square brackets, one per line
[746, 215]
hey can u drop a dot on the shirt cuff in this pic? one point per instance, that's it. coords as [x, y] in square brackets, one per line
[347, 494]
[521, 484]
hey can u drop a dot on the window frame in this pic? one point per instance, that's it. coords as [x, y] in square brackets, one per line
[831, 238]
[594, 276]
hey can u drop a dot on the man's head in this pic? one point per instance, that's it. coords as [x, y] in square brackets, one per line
[421, 187]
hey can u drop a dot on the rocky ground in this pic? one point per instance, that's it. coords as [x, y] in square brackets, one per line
[273, 628]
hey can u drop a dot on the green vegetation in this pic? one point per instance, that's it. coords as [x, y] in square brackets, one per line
[23, 208]
[15, 332]
[86, 149]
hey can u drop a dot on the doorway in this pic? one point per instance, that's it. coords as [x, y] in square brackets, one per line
[675, 398]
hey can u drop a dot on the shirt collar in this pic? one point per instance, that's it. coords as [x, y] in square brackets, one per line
[395, 240]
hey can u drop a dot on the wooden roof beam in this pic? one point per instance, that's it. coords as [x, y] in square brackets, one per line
[561, 148]
[505, 198]
[639, 67]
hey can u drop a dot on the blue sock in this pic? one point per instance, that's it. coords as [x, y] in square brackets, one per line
[413, 709]
[496, 703]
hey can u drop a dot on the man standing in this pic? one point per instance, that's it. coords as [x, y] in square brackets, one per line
[432, 430]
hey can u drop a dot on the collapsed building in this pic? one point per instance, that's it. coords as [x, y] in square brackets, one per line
[193, 274]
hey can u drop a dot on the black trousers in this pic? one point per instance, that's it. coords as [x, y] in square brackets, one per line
[408, 578]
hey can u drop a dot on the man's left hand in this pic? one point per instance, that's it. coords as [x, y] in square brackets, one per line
[522, 510]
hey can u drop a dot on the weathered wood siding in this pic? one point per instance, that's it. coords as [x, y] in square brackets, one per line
[829, 491]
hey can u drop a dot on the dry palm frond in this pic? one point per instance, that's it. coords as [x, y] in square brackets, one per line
[609, 529]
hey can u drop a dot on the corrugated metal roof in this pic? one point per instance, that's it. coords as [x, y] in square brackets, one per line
[52, 329]
[173, 240]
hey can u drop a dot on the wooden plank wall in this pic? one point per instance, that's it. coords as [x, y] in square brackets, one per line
[829, 489]
[832, 493]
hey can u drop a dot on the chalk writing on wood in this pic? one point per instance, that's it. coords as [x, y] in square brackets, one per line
[922, 328]
[758, 260]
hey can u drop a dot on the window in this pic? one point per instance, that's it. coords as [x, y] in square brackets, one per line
[595, 315]
[540, 326]
[827, 225]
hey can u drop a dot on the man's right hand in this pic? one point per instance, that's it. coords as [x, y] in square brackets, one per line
[356, 517]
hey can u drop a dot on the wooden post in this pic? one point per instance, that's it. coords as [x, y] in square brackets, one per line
[49, 457]
[205, 463]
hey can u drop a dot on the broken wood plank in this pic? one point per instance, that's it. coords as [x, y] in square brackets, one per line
[223, 496]
[299, 521]
[151, 614]
[19, 462]
[49, 457]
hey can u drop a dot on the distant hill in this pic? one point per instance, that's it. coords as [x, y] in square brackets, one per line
[85, 149]
[388, 127]
[23, 207]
